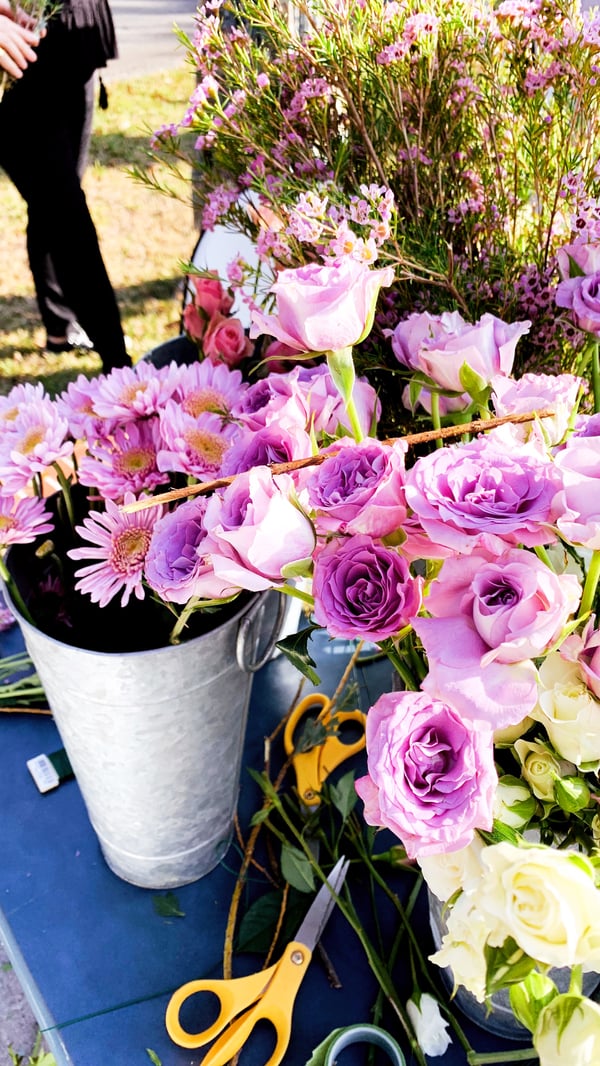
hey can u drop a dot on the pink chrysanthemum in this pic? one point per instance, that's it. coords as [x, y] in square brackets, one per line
[124, 462]
[23, 520]
[208, 386]
[77, 405]
[18, 397]
[37, 438]
[128, 393]
[122, 541]
[194, 446]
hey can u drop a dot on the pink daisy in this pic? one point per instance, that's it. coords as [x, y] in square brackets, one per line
[124, 462]
[77, 405]
[21, 522]
[195, 446]
[128, 393]
[11, 404]
[122, 541]
[208, 387]
[37, 438]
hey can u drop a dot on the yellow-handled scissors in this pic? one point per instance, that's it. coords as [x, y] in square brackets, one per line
[312, 767]
[265, 996]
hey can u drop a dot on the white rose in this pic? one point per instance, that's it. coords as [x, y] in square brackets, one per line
[463, 946]
[447, 872]
[428, 1024]
[568, 710]
[545, 899]
[540, 768]
[568, 1031]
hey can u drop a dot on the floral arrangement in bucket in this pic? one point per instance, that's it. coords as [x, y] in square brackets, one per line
[456, 142]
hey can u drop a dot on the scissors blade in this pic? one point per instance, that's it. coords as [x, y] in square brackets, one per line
[318, 913]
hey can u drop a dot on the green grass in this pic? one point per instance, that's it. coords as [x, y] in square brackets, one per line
[145, 237]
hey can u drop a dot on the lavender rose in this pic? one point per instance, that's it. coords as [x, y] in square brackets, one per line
[323, 308]
[363, 589]
[482, 494]
[440, 347]
[431, 778]
[359, 488]
[581, 295]
[259, 535]
[176, 565]
[578, 503]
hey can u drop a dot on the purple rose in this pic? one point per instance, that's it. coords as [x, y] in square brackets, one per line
[359, 489]
[363, 589]
[271, 399]
[176, 565]
[578, 502]
[323, 308]
[261, 447]
[584, 649]
[259, 536]
[581, 295]
[482, 494]
[431, 777]
[439, 347]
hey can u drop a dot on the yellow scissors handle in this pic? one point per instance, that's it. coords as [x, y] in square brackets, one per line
[274, 1003]
[314, 766]
[313, 702]
[234, 996]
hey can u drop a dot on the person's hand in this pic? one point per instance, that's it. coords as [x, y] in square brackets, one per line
[17, 44]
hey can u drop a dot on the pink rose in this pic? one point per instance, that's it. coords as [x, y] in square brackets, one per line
[584, 649]
[210, 296]
[258, 534]
[194, 323]
[440, 347]
[431, 777]
[578, 503]
[323, 308]
[225, 341]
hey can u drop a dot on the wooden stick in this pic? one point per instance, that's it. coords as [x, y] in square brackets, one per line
[25, 710]
[478, 426]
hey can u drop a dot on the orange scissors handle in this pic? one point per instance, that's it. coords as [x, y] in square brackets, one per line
[265, 996]
[314, 766]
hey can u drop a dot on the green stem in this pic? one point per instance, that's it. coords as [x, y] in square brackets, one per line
[596, 376]
[297, 594]
[399, 665]
[543, 556]
[435, 415]
[183, 619]
[65, 485]
[486, 1058]
[591, 585]
[14, 593]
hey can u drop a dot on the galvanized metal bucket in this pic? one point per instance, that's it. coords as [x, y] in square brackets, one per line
[155, 739]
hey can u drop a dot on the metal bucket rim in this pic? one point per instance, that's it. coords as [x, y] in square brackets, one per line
[130, 655]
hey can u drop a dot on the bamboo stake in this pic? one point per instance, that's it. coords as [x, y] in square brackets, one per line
[477, 426]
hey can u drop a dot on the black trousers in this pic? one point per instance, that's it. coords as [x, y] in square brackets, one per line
[44, 131]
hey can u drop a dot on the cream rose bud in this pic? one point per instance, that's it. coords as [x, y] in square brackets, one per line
[447, 872]
[514, 804]
[503, 738]
[568, 1032]
[463, 946]
[569, 711]
[428, 1024]
[545, 899]
[540, 768]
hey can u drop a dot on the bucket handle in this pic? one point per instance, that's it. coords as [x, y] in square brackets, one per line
[242, 652]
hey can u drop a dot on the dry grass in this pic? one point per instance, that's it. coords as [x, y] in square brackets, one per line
[145, 237]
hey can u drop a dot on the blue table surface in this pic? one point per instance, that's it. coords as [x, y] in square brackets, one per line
[99, 964]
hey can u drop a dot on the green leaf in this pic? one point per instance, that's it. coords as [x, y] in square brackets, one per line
[262, 780]
[6, 967]
[260, 816]
[471, 381]
[506, 965]
[575, 270]
[296, 869]
[343, 794]
[167, 906]
[259, 923]
[529, 997]
[295, 648]
[153, 1057]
